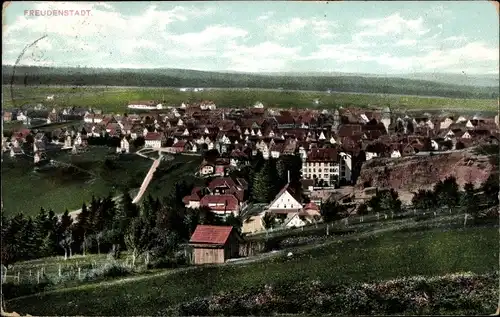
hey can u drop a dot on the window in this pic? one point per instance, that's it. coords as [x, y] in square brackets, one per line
[331, 170]
[319, 170]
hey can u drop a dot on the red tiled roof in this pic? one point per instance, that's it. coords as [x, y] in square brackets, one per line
[322, 155]
[211, 234]
[224, 202]
[152, 136]
[311, 206]
[222, 181]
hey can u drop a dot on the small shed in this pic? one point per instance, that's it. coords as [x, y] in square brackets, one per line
[214, 244]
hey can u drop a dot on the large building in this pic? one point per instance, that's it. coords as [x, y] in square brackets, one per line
[321, 165]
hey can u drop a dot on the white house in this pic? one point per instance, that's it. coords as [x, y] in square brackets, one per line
[51, 97]
[124, 146]
[207, 169]
[152, 139]
[21, 116]
[78, 139]
[145, 105]
[466, 135]
[434, 145]
[37, 157]
[445, 124]
[285, 201]
[294, 221]
[68, 142]
[370, 155]
[258, 105]
[395, 154]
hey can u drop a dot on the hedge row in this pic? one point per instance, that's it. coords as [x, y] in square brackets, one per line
[463, 293]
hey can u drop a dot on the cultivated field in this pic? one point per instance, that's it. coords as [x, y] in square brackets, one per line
[25, 190]
[358, 258]
[115, 99]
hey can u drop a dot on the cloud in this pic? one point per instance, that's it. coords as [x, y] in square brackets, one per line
[210, 34]
[266, 56]
[392, 25]
[475, 57]
[320, 28]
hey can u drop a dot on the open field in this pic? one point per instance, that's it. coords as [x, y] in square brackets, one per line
[181, 168]
[115, 99]
[362, 259]
[26, 190]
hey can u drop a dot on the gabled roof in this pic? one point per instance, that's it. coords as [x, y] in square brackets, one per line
[211, 234]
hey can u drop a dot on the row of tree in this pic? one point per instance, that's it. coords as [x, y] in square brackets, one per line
[445, 194]
[156, 228]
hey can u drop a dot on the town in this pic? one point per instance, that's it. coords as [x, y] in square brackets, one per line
[250, 159]
[323, 150]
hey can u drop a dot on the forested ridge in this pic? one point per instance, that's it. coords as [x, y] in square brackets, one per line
[33, 76]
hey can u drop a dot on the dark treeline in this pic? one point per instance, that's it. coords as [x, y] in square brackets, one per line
[190, 78]
[153, 230]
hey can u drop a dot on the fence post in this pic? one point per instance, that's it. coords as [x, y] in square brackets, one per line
[465, 220]
[38, 276]
[59, 270]
[378, 215]
[327, 229]
[30, 274]
[79, 273]
[18, 277]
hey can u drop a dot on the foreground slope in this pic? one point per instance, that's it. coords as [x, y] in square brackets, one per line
[373, 258]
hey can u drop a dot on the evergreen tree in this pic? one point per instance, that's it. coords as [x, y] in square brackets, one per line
[263, 187]
[282, 172]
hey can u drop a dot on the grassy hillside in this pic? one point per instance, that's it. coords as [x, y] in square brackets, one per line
[34, 76]
[374, 258]
[115, 99]
[25, 190]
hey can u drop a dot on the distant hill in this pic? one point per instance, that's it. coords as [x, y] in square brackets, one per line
[480, 80]
[192, 78]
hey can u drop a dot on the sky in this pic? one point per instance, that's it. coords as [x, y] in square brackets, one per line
[379, 37]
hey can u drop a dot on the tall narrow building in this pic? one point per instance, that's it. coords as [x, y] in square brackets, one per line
[386, 118]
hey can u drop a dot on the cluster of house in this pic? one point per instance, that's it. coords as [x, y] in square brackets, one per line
[329, 142]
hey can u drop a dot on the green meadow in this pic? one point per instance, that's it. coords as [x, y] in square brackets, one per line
[115, 99]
